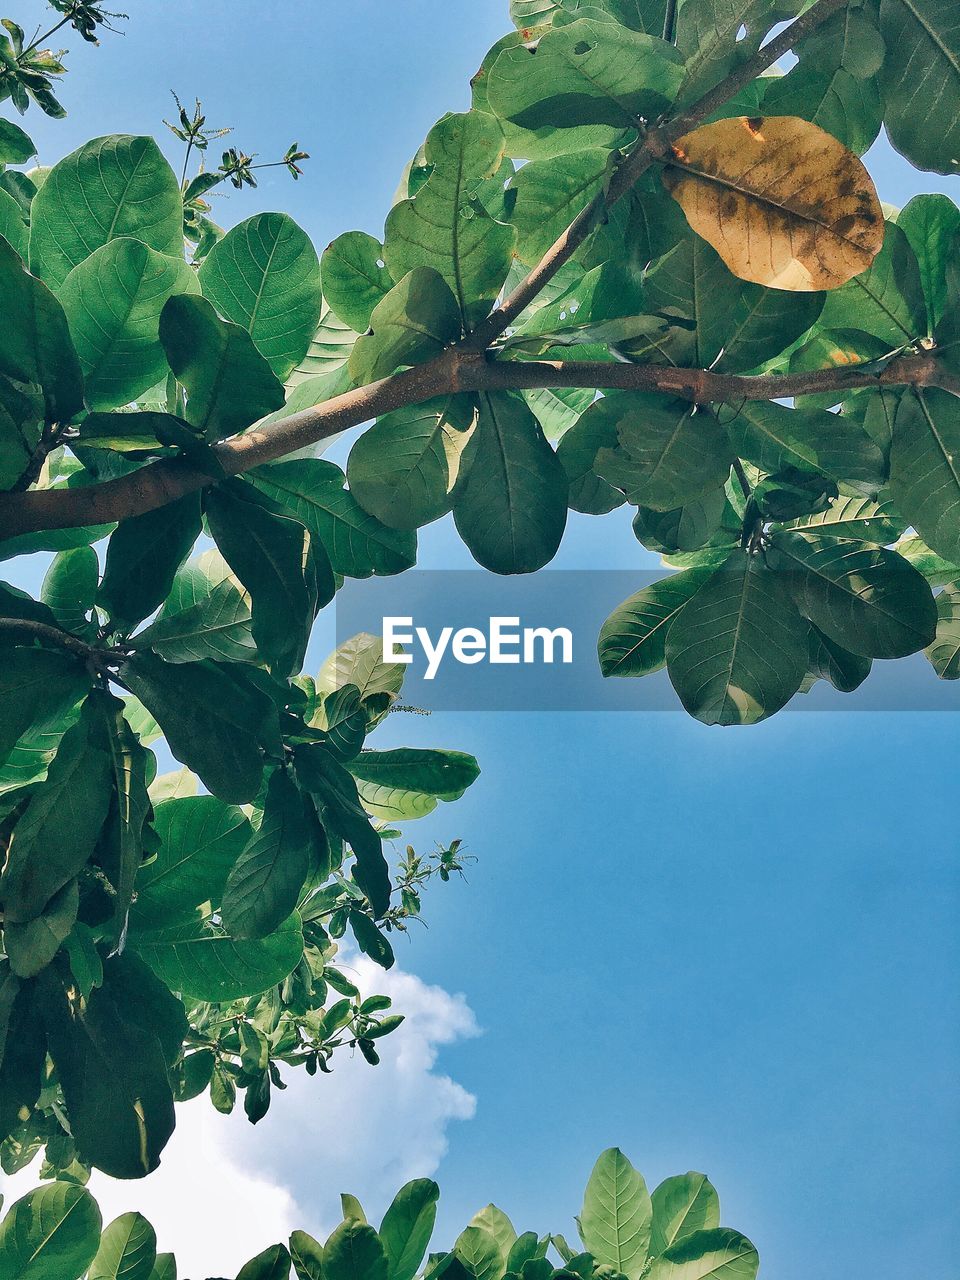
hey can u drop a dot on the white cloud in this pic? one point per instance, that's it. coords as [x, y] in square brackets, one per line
[225, 1190]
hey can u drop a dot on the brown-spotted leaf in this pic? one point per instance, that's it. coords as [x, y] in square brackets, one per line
[784, 203]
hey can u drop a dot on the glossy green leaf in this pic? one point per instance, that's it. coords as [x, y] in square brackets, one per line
[922, 63]
[128, 1250]
[34, 684]
[738, 653]
[932, 223]
[886, 300]
[143, 555]
[264, 275]
[407, 1227]
[867, 599]
[31, 946]
[271, 1264]
[354, 1252]
[511, 509]
[306, 1254]
[682, 1205]
[479, 1252]
[550, 194]
[206, 615]
[616, 1215]
[354, 277]
[578, 450]
[714, 1254]
[70, 586]
[125, 188]
[229, 383]
[414, 321]
[944, 653]
[632, 640]
[50, 1234]
[829, 661]
[15, 146]
[444, 774]
[925, 467]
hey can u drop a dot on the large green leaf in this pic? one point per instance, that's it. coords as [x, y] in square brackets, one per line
[944, 653]
[932, 223]
[23, 1052]
[229, 383]
[616, 1215]
[713, 1254]
[50, 1234]
[35, 683]
[445, 226]
[925, 467]
[113, 301]
[200, 840]
[773, 438]
[213, 723]
[329, 350]
[764, 323]
[886, 300]
[271, 1264]
[312, 491]
[306, 1254]
[415, 320]
[206, 615]
[669, 452]
[738, 652]
[479, 1252]
[264, 275]
[70, 586]
[143, 555]
[124, 187]
[587, 72]
[128, 1250]
[859, 518]
[35, 343]
[577, 451]
[265, 882]
[682, 1205]
[511, 509]
[354, 1252]
[633, 639]
[922, 66]
[867, 599]
[692, 281]
[113, 1072]
[829, 661]
[407, 1227]
[638, 15]
[403, 469]
[445, 774]
[270, 555]
[31, 946]
[59, 829]
[715, 36]
[354, 277]
[204, 962]
[550, 194]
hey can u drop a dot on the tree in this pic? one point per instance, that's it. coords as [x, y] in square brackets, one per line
[697, 228]
[625, 1231]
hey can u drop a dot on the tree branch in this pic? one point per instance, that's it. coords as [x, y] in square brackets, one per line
[31, 630]
[454, 371]
[654, 146]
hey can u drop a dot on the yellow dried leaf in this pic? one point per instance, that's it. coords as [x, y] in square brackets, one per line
[783, 202]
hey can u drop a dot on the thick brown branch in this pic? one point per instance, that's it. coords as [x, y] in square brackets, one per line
[162, 482]
[26, 630]
[654, 146]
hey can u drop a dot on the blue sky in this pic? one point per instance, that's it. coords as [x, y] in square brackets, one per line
[728, 950]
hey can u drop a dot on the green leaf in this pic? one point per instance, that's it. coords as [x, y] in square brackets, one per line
[58, 831]
[124, 187]
[925, 467]
[867, 599]
[113, 301]
[35, 342]
[229, 383]
[616, 1215]
[70, 586]
[312, 491]
[511, 510]
[738, 653]
[371, 941]
[31, 946]
[165, 1267]
[923, 57]
[354, 1252]
[306, 1254]
[35, 684]
[886, 300]
[403, 469]
[50, 1234]
[23, 1054]
[407, 1227]
[444, 774]
[213, 723]
[128, 1250]
[265, 882]
[716, 1254]
[270, 556]
[359, 661]
[681, 1206]
[329, 351]
[559, 409]
[693, 282]
[264, 275]
[931, 223]
[272, 1264]
[200, 841]
[335, 790]
[829, 661]
[587, 72]
[143, 555]
[86, 965]
[764, 323]
[15, 146]
[550, 194]
[715, 36]
[577, 451]
[113, 1073]
[352, 1208]
[446, 226]
[686, 528]
[496, 1222]
[633, 639]
[944, 653]
[670, 452]
[478, 1250]
[209, 617]
[354, 278]
[775, 438]
[858, 518]
[414, 321]
[203, 961]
